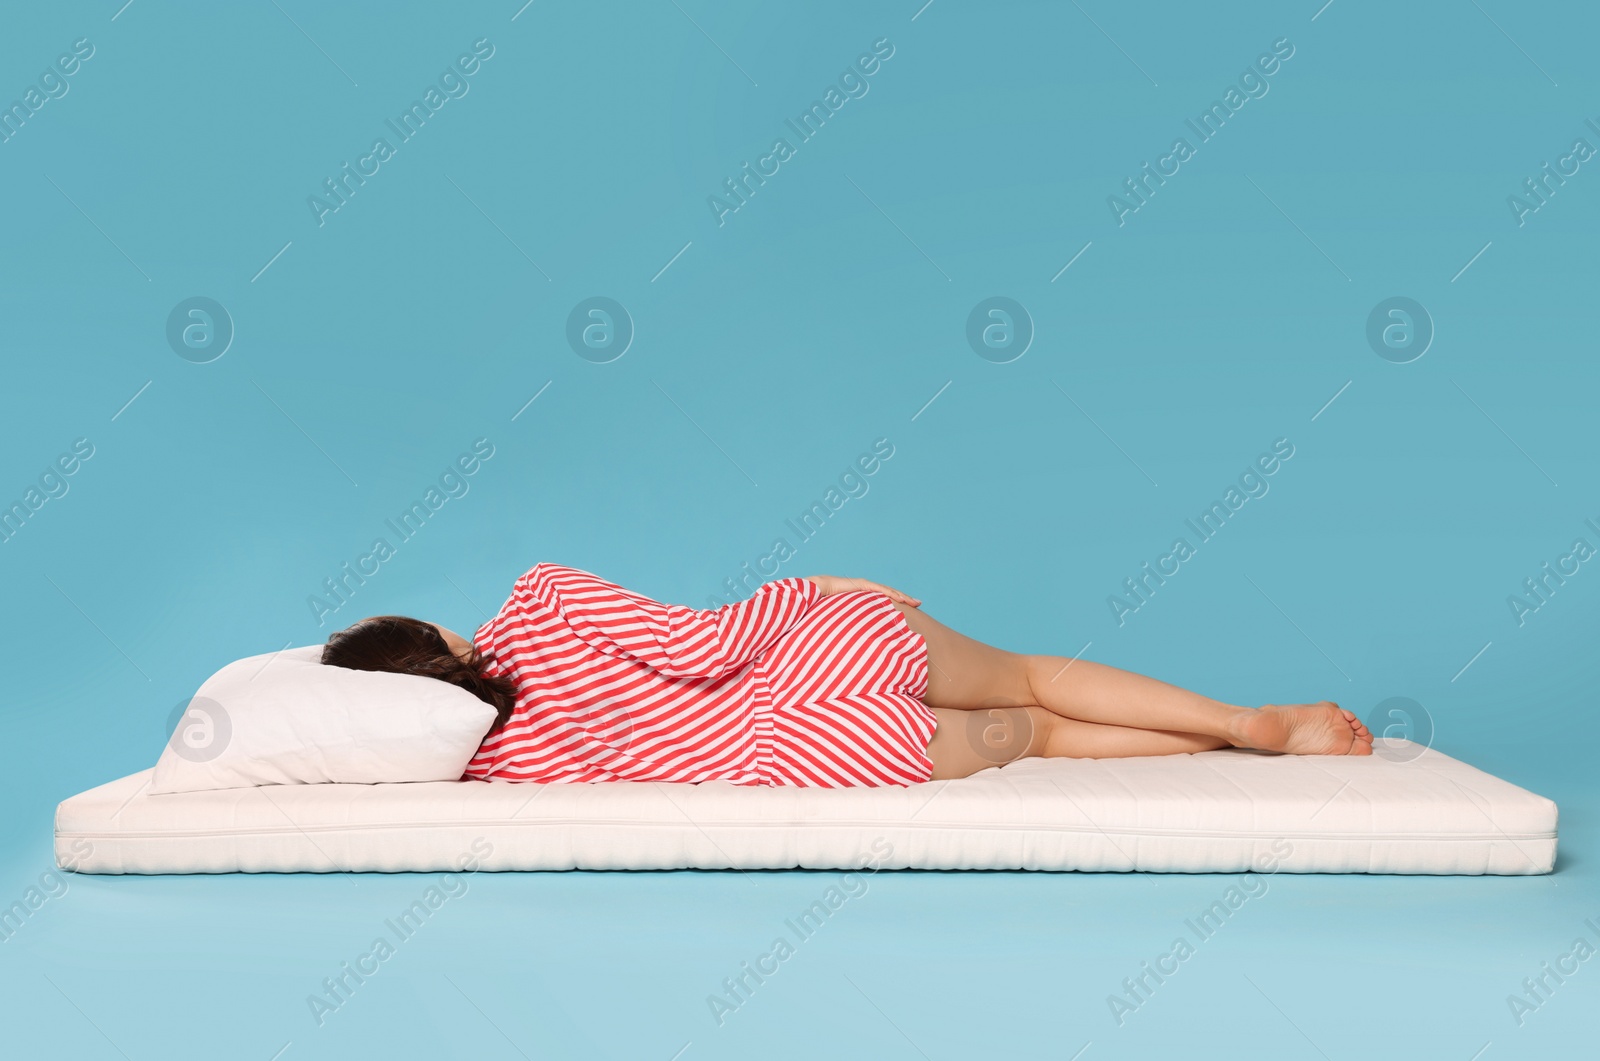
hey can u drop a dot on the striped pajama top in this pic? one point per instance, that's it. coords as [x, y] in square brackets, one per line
[785, 688]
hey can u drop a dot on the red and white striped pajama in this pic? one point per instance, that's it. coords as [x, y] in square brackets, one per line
[785, 688]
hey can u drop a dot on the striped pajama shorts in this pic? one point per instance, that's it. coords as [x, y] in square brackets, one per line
[843, 705]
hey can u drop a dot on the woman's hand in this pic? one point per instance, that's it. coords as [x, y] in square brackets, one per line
[831, 584]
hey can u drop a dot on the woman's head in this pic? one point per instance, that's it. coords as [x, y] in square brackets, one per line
[402, 645]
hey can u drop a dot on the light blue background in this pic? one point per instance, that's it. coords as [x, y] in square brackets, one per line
[773, 350]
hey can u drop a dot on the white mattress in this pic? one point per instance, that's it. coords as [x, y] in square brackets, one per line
[1221, 811]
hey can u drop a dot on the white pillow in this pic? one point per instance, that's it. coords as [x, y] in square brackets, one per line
[284, 718]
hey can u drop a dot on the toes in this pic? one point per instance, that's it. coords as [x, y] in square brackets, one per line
[1357, 725]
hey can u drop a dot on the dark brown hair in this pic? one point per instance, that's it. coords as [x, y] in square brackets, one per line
[401, 645]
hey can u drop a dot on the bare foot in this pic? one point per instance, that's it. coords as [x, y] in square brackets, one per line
[1303, 729]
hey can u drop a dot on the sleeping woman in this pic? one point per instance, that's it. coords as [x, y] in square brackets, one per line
[822, 682]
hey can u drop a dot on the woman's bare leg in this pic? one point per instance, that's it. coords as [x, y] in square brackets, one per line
[967, 741]
[964, 674]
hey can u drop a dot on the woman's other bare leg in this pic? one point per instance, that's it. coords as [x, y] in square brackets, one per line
[968, 741]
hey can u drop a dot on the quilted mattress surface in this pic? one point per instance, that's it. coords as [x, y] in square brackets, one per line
[1411, 810]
